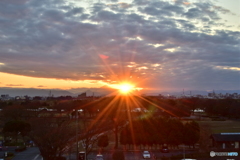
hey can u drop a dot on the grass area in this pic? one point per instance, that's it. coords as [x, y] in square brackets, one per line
[222, 126]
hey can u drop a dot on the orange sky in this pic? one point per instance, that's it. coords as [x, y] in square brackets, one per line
[16, 81]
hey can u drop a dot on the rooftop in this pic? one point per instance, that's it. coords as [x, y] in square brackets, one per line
[230, 137]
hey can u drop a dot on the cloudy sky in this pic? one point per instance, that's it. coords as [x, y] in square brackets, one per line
[162, 45]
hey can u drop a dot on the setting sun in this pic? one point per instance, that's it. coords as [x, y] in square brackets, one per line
[126, 88]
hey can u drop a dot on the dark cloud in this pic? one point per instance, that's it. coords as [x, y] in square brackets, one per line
[223, 10]
[153, 11]
[14, 85]
[135, 18]
[97, 7]
[53, 15]
[74, 11]
[41, 86]
[107, 16]
[193, 13]
[13, 11]
[14, 1]
[208, 9]
[174, 8]
[163, 43]
[140, 2]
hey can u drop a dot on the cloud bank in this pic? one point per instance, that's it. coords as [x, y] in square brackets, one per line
[160, 44]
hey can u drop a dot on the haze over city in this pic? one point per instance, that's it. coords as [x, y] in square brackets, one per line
[149, 44]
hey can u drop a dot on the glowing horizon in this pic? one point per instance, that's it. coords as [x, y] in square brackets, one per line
[19, 81]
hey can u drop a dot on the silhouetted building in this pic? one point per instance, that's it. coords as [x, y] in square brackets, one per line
[226, 140]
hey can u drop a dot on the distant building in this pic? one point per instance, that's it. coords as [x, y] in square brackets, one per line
[5, 97]
[226, 140]
[22, 98]
[82, 95]
[37, 98]
[211, 94]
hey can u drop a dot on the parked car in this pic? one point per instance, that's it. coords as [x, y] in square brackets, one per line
[146, 155]
[99, 157]
[164, 149]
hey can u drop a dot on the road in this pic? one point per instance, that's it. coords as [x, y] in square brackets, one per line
[31, 153]
[131, 155]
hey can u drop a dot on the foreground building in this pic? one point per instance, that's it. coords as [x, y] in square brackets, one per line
[226, 140]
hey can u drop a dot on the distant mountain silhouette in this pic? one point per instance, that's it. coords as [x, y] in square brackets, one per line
[102, 91]
[12, 92]
[193, 92]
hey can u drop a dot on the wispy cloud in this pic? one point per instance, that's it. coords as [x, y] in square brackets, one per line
[228, 68]
[14, 85]
[40, 86]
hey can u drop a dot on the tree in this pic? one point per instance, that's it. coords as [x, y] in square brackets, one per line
[102, 141]
[175, 136]
[124, 136]
[88, 139]
[52, 136]
[191, 133]
[17, 127]
[204, 142]
[14, 112]
[91, 133]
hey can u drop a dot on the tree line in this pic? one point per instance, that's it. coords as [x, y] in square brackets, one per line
[153, 132]
[174, 107]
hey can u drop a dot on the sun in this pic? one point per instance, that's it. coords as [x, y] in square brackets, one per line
[125, 88]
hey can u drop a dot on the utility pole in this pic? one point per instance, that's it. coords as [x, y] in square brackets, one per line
[184, 151]
[77, 133]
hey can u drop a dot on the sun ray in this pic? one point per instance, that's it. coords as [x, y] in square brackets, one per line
[106, 111]
[119, 107]
[130, 121]
[157, 106]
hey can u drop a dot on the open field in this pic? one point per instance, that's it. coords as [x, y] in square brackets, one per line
[222, 126]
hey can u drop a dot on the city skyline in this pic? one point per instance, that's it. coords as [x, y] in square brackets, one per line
[154, 45]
